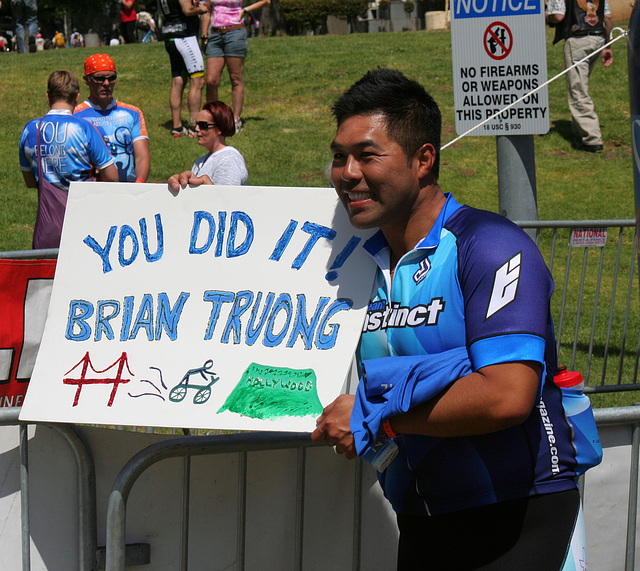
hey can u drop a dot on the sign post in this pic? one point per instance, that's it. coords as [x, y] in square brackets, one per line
[633, 50]
[499, 57]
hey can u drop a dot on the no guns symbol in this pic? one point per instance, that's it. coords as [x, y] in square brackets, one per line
[498, 40]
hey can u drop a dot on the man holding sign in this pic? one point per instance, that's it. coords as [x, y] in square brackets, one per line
[456, 357]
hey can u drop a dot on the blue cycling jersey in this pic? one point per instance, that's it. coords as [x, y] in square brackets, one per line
[474, 292]
[70, 148]
[120, 124]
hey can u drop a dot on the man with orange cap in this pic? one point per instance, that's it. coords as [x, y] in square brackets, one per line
[121, 125]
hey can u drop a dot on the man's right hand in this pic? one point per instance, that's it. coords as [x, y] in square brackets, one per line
[334, 426]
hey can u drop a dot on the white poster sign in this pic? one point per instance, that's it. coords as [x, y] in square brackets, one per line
[499, 55]
[216, 307]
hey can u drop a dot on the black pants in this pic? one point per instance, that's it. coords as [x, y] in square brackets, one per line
[529, 534]
[128, 31]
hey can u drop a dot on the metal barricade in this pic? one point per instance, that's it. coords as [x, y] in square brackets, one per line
[597, 316]
[186, 447]
[595, 306]
[620, 416]
[87, 518]
[244, 443]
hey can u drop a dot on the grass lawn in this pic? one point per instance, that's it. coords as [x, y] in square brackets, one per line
[290, 84]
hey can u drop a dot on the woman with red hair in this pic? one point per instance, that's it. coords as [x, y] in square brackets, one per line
[222, 164]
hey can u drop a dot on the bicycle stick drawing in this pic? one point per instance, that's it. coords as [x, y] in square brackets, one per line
[204, 391]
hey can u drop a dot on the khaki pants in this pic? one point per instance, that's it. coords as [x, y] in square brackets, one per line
[585, 123]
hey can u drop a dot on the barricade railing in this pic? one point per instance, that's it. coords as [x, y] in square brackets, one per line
[244, 443]
[85, 469]
[596, 300]
[596, 306]
[186, 447]
[46, 254]
[627, 415]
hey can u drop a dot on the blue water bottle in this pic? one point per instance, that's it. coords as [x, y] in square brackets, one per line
[578, 409]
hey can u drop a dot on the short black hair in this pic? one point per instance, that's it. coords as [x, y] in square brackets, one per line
[412, 115]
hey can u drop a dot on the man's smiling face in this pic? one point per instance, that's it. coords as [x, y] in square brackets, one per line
[373, 177]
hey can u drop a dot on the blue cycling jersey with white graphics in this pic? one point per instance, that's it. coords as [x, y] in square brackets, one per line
[70, 148]
[476, 286]
[120, 124]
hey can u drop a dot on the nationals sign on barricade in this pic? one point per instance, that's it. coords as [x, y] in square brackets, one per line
[216, 307]
[25, 288]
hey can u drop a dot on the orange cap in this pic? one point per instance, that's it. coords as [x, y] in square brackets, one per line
[98, 62]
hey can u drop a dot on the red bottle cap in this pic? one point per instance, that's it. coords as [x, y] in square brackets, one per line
[565, 379]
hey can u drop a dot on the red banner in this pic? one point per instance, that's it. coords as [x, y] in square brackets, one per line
[25, 289]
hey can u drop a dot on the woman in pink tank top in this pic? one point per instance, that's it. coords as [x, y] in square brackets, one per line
[225, 37]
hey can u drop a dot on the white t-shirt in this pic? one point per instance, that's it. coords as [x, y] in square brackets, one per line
[225, 166]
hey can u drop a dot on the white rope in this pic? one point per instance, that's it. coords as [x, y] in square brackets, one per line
[623, 33]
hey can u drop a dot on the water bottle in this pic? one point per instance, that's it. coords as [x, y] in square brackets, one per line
[382, 452]
[578, 409]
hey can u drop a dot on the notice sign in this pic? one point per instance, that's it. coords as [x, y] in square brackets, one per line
[499, 56]
[219, 307]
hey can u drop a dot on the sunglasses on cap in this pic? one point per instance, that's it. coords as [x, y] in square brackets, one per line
[102, 78]
[204, 125]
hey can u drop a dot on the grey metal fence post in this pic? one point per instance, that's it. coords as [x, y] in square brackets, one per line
[186, 496]
[517, 195]
[87, 510]
[632, 516]
[24, 497]
[357, 515]
[300, 491]
[116, 518]
[242, 511]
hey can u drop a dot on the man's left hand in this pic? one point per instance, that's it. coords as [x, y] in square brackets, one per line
[607, 57]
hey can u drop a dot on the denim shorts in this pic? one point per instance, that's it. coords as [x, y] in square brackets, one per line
[230, 44]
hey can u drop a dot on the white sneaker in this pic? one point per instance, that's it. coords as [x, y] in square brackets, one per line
[238, 124]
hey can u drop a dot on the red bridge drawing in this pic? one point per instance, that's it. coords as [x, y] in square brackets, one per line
[83, 380]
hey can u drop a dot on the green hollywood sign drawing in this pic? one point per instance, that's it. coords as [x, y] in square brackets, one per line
[267, 392]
